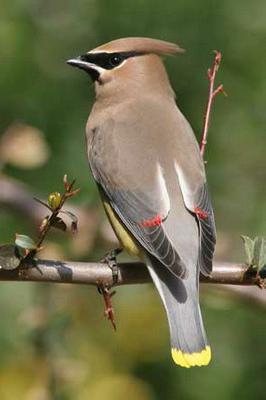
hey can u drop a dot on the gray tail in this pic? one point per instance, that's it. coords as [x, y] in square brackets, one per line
[189, 345]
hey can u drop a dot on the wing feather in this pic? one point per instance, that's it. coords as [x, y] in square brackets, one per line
[133, 205]
[196, 198]
[207, 231]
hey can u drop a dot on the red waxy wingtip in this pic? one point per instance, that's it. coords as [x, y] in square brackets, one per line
[200, 213]
[155, 221]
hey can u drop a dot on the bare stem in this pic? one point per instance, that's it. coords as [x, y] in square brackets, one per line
[212, 94]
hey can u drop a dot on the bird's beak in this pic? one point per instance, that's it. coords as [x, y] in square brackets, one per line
[79, 63]
[90, 68]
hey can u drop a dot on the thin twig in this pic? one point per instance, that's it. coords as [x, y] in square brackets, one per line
[49, 221]
[212, 94]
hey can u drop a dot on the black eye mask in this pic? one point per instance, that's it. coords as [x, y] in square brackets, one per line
[109, 60]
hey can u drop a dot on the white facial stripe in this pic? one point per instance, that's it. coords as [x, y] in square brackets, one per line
[101, 51]
[93, 66]
[98, 69]
[120, 65]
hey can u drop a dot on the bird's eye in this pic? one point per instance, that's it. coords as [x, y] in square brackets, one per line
[115, 60]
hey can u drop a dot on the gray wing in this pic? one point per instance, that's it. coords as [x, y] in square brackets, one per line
[205, 218]
[197, 201]
[137, 195]
[192, 180]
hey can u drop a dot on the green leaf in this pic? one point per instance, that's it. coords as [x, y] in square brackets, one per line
[25, 242]
[9, 257]
[259, 257]
[249, 249]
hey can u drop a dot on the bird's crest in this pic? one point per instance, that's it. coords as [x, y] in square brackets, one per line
[141, 45]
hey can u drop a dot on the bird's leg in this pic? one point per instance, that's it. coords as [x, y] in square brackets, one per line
[110, 259]
[108, 306]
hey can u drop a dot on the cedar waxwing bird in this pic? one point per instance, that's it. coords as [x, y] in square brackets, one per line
[147, 164]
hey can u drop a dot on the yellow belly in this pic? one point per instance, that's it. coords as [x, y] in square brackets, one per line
[126, 240]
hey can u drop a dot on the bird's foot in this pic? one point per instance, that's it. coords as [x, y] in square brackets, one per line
[110, 260]
[108, 306]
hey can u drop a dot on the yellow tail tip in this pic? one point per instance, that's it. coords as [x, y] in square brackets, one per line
[188, 360]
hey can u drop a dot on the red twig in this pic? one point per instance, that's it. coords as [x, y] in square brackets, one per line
[212, 93]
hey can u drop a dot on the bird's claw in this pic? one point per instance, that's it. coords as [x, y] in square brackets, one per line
[108, 306]
[110, 260]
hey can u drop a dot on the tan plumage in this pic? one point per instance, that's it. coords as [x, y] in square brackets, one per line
[146, 162]
[151, 46]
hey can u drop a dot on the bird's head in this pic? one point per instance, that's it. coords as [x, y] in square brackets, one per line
[125, 60]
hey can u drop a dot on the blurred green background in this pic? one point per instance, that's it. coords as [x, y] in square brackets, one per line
[54, 340]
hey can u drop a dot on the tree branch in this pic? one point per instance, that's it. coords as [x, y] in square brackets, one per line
[99, 274]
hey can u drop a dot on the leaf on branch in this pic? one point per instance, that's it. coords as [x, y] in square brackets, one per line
[255, 252]
[249, 249]
[25, 242]
[9, 257]
[58, 223]
[74, 220]
[259, 258]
